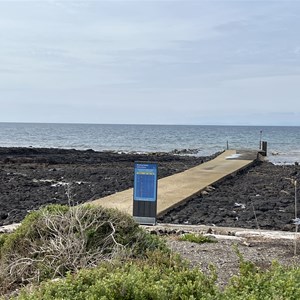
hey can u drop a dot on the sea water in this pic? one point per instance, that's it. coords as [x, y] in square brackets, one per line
[283, 142]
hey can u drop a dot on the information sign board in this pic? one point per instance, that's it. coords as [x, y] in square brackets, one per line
[145, 181]
[145, 192]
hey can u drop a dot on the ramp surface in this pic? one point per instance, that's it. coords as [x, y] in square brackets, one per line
[175, 189]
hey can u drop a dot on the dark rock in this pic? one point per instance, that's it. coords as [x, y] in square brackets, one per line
[259, 188]
[24, 173]
[3, 216]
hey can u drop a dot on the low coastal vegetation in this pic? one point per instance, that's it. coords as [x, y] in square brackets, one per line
[57, 240]
[88, 252]
[196, 238]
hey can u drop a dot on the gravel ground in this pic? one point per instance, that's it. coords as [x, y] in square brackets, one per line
[258, 246]
[223, 256]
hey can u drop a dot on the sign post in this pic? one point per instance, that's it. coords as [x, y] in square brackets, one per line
[145, 193]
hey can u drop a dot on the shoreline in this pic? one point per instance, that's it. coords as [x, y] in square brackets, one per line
[261, 197]
[32, 177]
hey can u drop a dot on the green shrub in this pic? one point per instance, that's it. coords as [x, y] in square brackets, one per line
[163, 275]
[278, 282]
[196, 238]
[3, 237]
[140, 280]
[60, 239]
[29, 230]
[127, 262]
[166, 277]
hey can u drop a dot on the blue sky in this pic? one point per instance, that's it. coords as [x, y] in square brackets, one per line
[150, 62]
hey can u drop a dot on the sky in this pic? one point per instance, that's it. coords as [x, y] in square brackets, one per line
[150, 62]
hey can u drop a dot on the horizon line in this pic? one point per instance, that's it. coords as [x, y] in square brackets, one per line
[145, 124]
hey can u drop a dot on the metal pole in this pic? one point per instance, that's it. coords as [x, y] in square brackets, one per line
[260, 140]
[295, 183]
[296, 229]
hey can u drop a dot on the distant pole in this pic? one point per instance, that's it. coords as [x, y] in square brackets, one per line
[295, 184]
[296, 216]
[260, 139]
[227, 146]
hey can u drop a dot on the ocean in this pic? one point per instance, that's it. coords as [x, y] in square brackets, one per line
[283, 142]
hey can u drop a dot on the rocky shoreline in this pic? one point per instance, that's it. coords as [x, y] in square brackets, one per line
[32, 177]
[259, 197]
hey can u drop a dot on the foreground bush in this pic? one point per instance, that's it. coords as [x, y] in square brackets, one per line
[60, 239]
[103, 254]
[164, 277]
[161, 277]
[277, 283]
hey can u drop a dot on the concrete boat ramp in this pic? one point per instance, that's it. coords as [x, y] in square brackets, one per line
[176, 189]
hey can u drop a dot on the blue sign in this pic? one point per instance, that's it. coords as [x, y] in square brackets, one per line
[145, 182]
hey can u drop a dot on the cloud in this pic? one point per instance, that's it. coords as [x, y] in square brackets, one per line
[175, 57]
